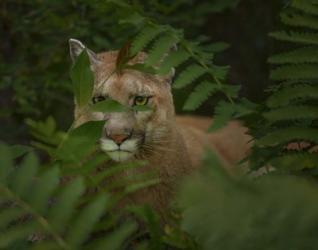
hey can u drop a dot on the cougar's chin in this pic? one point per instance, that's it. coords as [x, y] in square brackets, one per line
[120, 153]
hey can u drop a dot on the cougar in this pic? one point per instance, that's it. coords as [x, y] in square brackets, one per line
[173, 146]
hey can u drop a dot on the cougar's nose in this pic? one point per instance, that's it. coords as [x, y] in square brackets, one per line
[119, 138]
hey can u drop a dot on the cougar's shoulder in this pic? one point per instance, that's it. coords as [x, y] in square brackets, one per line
[230, 143]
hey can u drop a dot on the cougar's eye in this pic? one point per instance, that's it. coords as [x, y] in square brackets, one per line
[97, 99]
[141, 100]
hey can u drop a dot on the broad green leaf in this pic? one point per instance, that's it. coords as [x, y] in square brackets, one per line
[141, 108]
[142, 68]
[109, 106]
[83, 79]
[80, 142]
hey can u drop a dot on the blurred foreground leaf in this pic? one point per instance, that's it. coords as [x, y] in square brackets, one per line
[273, 212]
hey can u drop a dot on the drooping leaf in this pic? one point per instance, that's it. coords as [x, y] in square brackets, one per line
[108, 106]
[83, 79]
[80, 142]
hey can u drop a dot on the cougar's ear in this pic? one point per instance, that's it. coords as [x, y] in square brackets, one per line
[76, 47]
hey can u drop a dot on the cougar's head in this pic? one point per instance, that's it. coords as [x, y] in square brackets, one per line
[130, 134]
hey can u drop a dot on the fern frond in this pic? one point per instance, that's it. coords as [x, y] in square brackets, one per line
[292, 113]
[114, 241]
[48, 209]
[160, 47]
[299, 20]
[174, 59]
[296, 37]
[83, 225]
[200, 94]
[305, 6]
[146, 35]
[225, 112]
[302, 55]
[296, 161]
[288, 94]
[285, 135]
[189, 75]
[295, 72]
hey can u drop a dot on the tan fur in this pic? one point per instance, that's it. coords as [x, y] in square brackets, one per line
[178, 142]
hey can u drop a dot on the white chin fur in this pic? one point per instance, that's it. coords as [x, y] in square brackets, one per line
[114, 152]
[120, 156]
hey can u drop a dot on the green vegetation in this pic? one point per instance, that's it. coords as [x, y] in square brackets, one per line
[52, 191]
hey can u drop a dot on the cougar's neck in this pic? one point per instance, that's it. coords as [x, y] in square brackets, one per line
[171, 157]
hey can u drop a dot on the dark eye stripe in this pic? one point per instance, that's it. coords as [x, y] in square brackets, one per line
[97, 99]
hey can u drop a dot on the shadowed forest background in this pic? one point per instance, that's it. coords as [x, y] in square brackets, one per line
[247, 60]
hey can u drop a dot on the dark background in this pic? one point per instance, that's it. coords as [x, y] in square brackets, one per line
[34, 57]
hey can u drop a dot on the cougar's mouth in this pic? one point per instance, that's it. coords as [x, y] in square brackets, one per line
[119, 153]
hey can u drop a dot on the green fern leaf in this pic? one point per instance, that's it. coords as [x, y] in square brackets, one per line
[83, 226]
[43, 190]
[305, 6]
[23, 177]
[302, 55]
[174, 59]
[160, 47]
[292, 113]
[299, 20]
[285, 135]
[7, 216]
[65, 204]
[296, 37]
[17, 233]
[114, 241]
[146, 35]
[295, 72]
[200, 94]
[296, 161]
[189, 75]
[56, 219]
[220, 72]
[225, 112]
[288, 94]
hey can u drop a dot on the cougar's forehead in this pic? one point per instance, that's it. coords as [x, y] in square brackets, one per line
[130, 82]
[124, 86]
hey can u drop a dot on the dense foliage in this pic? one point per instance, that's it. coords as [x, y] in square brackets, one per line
[62, 202]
